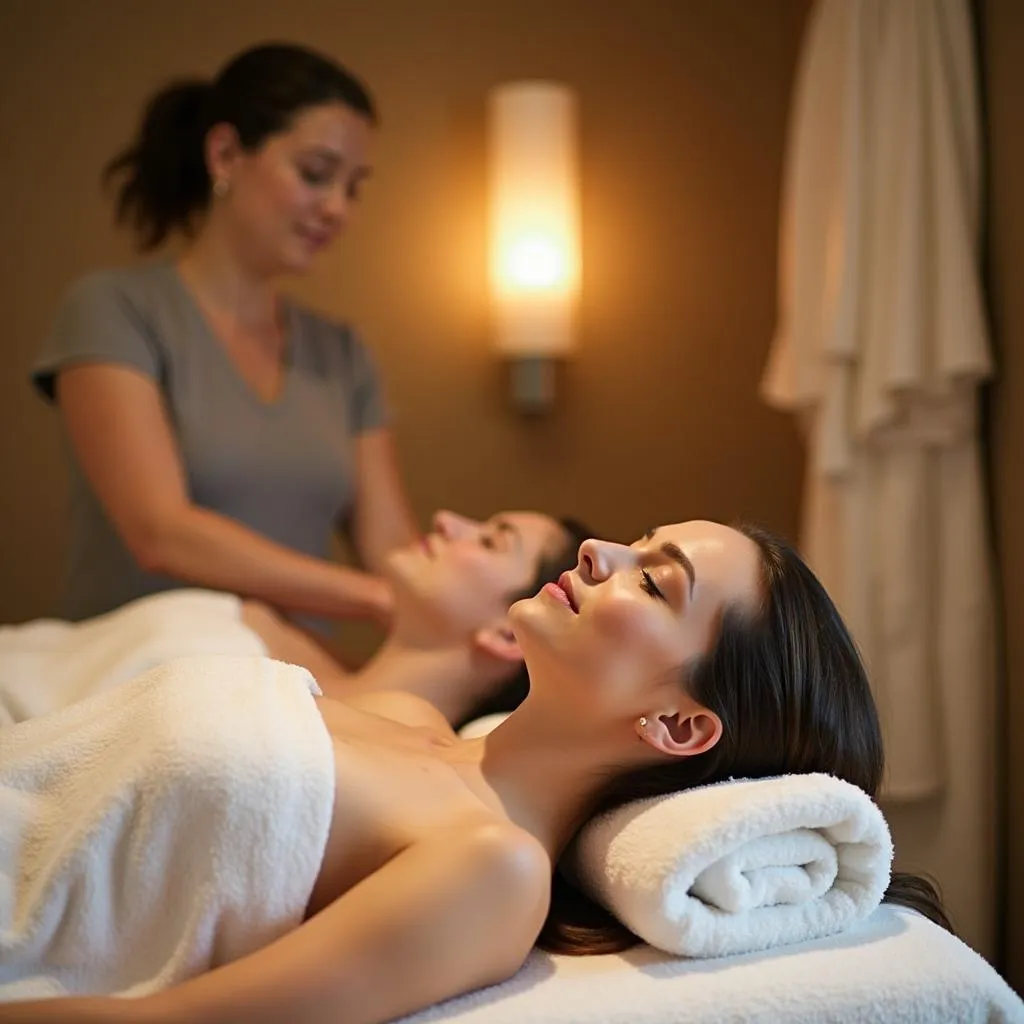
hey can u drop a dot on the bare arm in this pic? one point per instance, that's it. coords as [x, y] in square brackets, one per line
[382, 519]
[286, 642]
[441, 918]
[121, 435]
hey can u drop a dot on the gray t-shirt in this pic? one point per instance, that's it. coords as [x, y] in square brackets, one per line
[283, 468]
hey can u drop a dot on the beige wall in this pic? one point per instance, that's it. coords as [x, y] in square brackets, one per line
[684, 107]
[1002, 40]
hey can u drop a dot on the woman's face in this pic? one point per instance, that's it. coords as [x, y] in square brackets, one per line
[463, 574]
[290, 198]
[617, 629]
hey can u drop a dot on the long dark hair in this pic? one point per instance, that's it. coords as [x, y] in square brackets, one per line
[163, 178]
[792, 694]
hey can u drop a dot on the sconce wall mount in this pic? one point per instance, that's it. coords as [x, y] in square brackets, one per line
[534, 233]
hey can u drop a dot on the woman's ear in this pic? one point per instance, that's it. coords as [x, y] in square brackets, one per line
[222, 150]
[682, 733]
[499, 642]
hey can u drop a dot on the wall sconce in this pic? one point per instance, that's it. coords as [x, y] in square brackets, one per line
[534, 233]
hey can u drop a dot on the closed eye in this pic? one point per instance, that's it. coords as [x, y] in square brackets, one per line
[505, 535]
[316, 177]
[648, 586]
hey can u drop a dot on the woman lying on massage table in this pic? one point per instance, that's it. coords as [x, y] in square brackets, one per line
[698, 654]
[449, 640]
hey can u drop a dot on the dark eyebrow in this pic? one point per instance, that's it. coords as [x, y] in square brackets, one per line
[507, 527]
[335, 159]
[321, 152]
[676, 553]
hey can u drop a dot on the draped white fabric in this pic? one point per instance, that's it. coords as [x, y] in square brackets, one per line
[880, 348]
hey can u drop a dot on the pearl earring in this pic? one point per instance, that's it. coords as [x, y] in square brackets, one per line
[220, 188]
[643, 723]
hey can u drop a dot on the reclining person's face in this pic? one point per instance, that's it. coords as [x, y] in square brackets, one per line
[461, 577]
[611, 640]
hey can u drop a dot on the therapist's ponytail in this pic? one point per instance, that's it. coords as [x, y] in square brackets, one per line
[164, 180]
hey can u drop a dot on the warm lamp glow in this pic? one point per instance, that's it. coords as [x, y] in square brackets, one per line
[534, 218]
[532, 264]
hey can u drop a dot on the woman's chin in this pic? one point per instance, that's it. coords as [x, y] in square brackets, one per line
[404, 570]
[527, 614]
[543, 640]
[297, 260]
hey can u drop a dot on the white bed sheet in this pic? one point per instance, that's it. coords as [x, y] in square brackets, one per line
[895, 967]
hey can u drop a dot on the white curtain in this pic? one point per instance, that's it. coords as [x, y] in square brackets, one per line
[880, 348]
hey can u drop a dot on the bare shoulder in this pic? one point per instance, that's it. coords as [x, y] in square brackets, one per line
[509, 872]
[513, 849]
[399, 706]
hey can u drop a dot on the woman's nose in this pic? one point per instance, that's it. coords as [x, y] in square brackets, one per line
[598, 559]
[451, 526]
[336, 207]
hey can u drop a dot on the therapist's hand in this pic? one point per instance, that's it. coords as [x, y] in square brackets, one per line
[380, 602]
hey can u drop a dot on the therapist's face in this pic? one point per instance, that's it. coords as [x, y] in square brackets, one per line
[292, 196]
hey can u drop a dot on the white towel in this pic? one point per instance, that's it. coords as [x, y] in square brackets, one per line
[47, 664]
[895, 968]
[155, 831]
[739, 866]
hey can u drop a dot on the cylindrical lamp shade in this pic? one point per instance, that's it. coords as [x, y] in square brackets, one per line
[534, 218]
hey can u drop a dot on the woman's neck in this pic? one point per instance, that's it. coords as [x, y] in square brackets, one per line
[454, 678]
[547, 771]
[541, 767]
[223, 282]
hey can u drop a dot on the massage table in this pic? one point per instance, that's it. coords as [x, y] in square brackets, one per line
[894, 967]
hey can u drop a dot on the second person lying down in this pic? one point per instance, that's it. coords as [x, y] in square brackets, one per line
[450, 640]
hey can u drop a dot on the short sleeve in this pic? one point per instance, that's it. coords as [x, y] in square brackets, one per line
[97, 321]
[368, 410]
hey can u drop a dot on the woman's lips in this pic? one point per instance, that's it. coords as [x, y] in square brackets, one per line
[565, 585]
[557, 593]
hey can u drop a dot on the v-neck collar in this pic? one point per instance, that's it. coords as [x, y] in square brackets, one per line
[211, 336]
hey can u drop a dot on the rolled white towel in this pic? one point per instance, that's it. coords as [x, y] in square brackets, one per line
[738, 866]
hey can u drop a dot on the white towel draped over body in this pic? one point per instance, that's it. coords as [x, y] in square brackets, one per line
[47, 664]
[157, 830]
[880, 347]
[740, 866]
